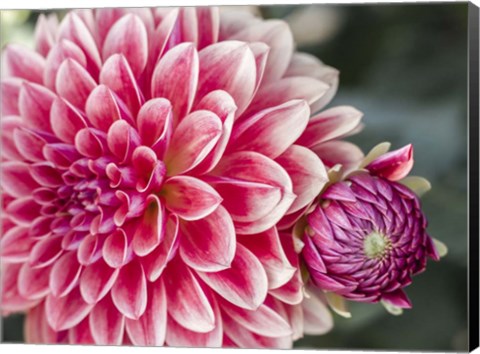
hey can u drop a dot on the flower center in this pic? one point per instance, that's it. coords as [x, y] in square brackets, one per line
[376, 245]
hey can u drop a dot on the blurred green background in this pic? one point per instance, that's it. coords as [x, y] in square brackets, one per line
[405, 67]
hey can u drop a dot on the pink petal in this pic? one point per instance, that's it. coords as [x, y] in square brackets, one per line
[307, 172]
[46, 251]
[397, 298]
[339, 152]
[9, 125]
[393, 165]
[267, 248]
[105, 18]
[102, 108]
[254, 167]
[10, 89]
[61, 51]
[156, 261]
[90, 143]
[22, 62]
[61, 155]
[150, 230]
[118, 76]
[122, 140]
[263, 321]
[272, 131]
[189, 197]
[290, 88]
[186, 28]
[247, 201]
[303, 64]
[178, 336]
[193, 139]
[67, 311]
[330, 124]
[65, 273]
[231, 22]
[131, 206]
[107, 323]
[23, 210]
[150, 171]
[257, 168]
[33, 282]
[246, 339]
[46, 174]
[128, 36]
[150, 328]
[222, 104]
[261, 52]
[37, 330]
[208, 244]
[86, 15]
[162, 35]
[181, 61]
[81, 333]
[121, 176]
[29, 144]
[208, 25]
[290, 293]
[295, 316]
[10, 298]
[16, 179]
[187, 303]
[129, 293]
[15, 245]
[277, 35]
[45, 33]
[66, 120]
[75, 30]
[96, 281]
[243, 284]
[115, 249]
[228, 66]
[317, 318]
[74, 83]
[155, 124]
[34, 103]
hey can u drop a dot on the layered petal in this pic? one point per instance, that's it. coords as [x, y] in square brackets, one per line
[188, 304]
[244, 284]
[129, 293]
[20, 61]
[150, 328]
[128, 36]
[194, 138]
[228, 66]
[208, 244]
[271, 131]
[190, 198]
[181, 61]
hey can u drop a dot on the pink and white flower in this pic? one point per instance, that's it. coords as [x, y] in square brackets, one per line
[147, 157]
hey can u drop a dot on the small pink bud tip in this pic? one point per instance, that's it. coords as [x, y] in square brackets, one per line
[393, 165]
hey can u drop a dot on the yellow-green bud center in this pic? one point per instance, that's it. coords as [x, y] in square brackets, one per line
[376, 245]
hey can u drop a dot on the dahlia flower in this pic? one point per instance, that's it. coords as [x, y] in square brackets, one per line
[366, 236]
[148, 155]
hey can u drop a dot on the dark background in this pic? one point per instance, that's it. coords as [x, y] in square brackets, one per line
[405, 67]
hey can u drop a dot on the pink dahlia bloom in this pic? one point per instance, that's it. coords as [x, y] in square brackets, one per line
[366, 237]
[147, 156]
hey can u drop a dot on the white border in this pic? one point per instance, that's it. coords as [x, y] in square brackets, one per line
[48, 4]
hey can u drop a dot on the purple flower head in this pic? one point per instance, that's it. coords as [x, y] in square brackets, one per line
[367, 236]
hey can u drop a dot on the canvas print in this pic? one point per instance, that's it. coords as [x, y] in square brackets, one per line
[253, 177]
